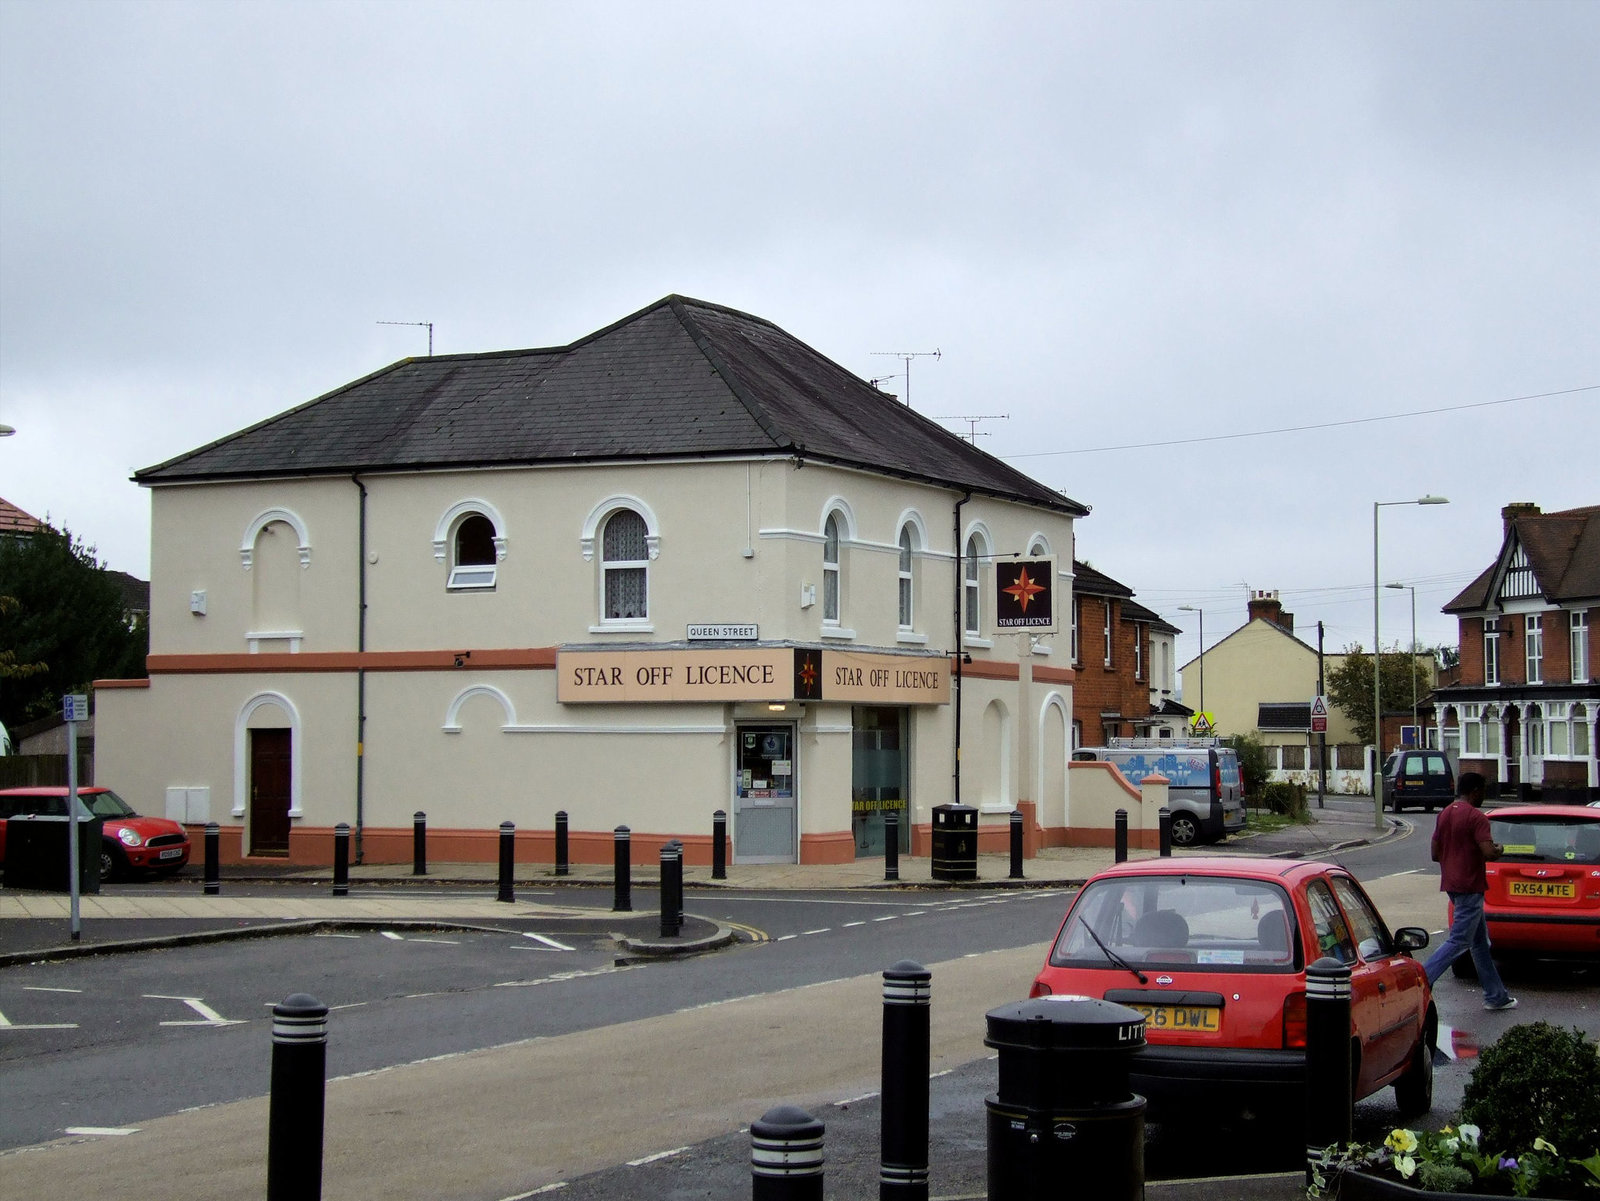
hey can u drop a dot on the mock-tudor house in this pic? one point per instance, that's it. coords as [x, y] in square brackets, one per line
[684, 564]
[1524, 707]
[1122, 660]
[1260, 680]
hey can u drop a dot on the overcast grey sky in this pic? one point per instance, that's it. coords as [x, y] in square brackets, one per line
[1120, 223]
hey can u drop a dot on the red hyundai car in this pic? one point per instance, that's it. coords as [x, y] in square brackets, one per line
[1544, 890]
[1213, 952]
[128, 841]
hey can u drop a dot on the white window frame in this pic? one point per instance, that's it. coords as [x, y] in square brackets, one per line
[1491, 650]
[472, 577]
[907, 592]
[832, 571]
[1138, 651]
[1108, 631]
[607, 566]
[1077, 603]
[1578, 644]
[1533, 648]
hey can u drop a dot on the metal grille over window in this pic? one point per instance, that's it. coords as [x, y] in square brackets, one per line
[626, 559]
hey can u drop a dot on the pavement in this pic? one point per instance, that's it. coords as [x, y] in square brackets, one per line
[258, 902]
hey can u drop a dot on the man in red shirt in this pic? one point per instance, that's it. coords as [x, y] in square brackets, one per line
[1461, 846]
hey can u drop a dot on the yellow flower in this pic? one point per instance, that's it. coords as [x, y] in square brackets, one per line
[1402, 1142]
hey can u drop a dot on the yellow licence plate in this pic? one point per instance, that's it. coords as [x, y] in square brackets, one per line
[1544, 888]
[1204, 1018]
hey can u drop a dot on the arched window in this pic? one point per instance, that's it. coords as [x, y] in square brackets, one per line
[907, 545]
[625, 560]
[974, 603]
[830, 570]
[473, 553]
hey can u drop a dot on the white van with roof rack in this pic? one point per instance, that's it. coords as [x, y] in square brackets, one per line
[1205, 790]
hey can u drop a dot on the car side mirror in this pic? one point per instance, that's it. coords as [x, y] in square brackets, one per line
[1410, 938]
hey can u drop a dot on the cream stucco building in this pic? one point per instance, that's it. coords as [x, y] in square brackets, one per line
[685, 564]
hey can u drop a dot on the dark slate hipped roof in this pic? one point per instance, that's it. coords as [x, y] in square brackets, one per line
[1563, 549]
[1089, 582]
[682, 378]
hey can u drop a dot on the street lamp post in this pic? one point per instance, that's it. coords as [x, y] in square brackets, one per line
[1377, 656]
[1202, 612]
[1416, 723]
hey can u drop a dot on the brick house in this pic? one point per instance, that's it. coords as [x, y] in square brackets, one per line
[1122, 657]
[1523, 709]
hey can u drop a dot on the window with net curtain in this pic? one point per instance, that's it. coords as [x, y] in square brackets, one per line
[830, 569]
[626, 564]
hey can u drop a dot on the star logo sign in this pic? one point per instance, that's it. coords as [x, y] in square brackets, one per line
[1024, 590]
[808, 675]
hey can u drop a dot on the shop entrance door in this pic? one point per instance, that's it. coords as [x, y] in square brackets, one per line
[877, 777]
[765, 826]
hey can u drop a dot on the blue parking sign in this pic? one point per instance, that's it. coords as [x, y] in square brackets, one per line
[75, 707]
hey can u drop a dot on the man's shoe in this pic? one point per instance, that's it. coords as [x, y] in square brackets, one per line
[1508, 1003]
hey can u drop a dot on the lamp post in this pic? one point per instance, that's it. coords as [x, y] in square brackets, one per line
[1416, 723]
[1202, 612]
[1377, 657]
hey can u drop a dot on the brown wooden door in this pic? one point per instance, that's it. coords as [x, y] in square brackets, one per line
[270, 753]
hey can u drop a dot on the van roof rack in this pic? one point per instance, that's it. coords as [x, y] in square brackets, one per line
[1143, 743]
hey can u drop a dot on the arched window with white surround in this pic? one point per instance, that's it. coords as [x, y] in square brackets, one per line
[907, 592]
[472, 553]
[830, 570]
[972, 587]
[625, 565]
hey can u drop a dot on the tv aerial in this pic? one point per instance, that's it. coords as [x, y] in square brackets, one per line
[905, 356]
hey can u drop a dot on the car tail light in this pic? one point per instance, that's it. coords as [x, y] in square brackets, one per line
[1039, 989]
[1216, 779]
[1294, 1020]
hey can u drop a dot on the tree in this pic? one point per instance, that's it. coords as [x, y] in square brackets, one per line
[1401, 677]
[67, 625]
[1254, 765]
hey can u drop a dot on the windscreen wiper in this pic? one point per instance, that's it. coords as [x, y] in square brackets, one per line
[1113, 956]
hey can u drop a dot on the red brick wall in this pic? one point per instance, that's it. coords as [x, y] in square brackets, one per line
[1099, 689]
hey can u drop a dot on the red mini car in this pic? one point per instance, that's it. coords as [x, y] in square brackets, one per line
[1544, 890]
[1213, 952]
[128, 841]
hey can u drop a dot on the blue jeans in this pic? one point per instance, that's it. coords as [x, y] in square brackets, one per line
[1469, 934]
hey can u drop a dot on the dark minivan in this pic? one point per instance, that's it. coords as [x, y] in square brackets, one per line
[1422, 778]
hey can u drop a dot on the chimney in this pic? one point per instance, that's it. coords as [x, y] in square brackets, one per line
[1516, 509]
[1265, 604]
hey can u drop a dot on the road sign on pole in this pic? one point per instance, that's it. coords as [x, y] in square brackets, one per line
[1319, 715]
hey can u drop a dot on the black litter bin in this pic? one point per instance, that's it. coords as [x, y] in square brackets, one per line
[1064, 1122]
[37, 854]
[955, 842]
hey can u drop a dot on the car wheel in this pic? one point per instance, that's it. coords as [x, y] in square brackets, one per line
[112, 863]
[1413, 1092]
[1464, 969]
[1185, 832]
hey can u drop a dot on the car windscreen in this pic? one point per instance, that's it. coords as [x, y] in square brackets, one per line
[106, 804]
[1213, 922]
[1554, 838]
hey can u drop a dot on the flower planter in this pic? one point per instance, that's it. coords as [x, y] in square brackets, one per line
[1355, 1185]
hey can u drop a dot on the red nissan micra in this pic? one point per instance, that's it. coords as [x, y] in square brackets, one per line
[1213, 952]
[1544, 890]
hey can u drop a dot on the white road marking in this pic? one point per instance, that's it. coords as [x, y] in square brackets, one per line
[391, 934]
[639, 1163]
[549, 942]
[1395, 875]
[886, 918]
[917, 913]
[42, 988]
[558, 977]
[936, 1075]
[849, 925]
[824, 930]
[538, 1192]
[351, 1005]
[208, 1015]
[443, 942]
[854, 1100]
[108, 1131]
[329, 935]
[785, 937]
[6, 1024]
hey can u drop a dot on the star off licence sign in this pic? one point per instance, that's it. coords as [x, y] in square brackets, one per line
[1025, 595]
[753, 674]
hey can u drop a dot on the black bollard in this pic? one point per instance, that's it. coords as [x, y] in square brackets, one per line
[907, 1005]
[891, 844]
[1016, 844]
[622, 872]
[1164, 816]
[561, 842]
[719, 845]
[786, 1156]
[508, 862]
[419, 843]
[213, 860]
[1122, 836]
[295, 1108]
[1329, 1106]
[671, 889]
[341, 860]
